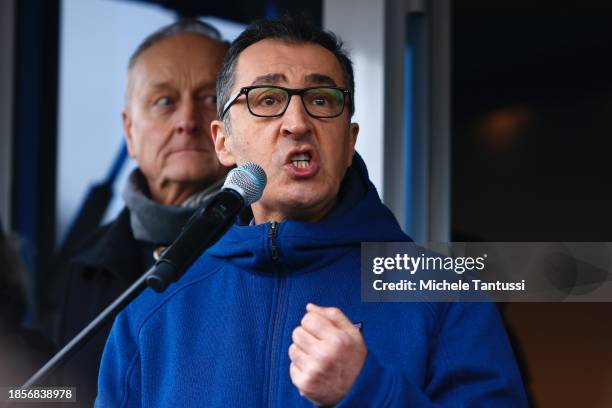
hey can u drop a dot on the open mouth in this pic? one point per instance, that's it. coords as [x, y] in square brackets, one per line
[301, 160]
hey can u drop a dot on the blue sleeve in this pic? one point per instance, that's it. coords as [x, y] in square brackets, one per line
[119, 377]
[471, 364]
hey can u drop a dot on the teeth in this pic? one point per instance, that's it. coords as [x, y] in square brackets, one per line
[302, 156]
[301, 161]
[300, 164]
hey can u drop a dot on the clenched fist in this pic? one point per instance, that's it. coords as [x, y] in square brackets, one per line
[326, 355]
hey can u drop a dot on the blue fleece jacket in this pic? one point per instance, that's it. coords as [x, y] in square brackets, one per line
[220, 336]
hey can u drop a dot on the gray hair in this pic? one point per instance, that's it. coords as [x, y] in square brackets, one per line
[183, 25]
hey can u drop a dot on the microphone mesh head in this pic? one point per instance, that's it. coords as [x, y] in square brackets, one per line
[247, 180]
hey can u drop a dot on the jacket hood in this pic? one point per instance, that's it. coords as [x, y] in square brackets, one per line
[359, 216]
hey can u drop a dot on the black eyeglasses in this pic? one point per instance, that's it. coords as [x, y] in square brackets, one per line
[269, 101]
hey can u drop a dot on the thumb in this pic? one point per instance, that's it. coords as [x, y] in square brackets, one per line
[334, 315]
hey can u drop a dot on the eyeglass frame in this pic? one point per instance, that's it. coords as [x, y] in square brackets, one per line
[290, 92]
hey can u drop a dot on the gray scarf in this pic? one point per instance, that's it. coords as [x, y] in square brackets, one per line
[156, 223]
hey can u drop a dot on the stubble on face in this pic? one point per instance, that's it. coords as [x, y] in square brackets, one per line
[328, 144]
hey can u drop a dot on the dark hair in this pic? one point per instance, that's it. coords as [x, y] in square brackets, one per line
[286, 28]
[183, 25]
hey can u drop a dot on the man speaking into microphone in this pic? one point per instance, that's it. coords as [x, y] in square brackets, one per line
[271, 315]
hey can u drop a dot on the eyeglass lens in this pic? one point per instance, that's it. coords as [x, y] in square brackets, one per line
[319, 102]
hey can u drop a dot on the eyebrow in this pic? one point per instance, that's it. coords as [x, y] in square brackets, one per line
[160, 86]
[320, 79]
[269, 79]
[314, 79]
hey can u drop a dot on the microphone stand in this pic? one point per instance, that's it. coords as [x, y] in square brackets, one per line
[214, 220]
[60, 358]
[243, 186]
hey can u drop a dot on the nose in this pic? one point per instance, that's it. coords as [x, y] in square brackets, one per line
[188, 118]
[295, 120]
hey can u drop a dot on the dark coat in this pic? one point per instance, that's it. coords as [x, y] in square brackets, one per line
[107, 263]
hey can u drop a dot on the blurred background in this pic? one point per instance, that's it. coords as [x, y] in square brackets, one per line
[480, 121]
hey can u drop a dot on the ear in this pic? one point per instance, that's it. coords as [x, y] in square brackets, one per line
[127, 131]
[222, 143]
[353, 131]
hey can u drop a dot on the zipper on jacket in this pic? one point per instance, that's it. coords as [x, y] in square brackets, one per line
[272, 233]
[274, 345]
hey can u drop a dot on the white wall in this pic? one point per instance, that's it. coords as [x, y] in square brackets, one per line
[97, 38]
[360, 23]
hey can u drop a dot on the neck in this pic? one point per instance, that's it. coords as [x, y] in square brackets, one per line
[175, 193]
[263, 214]
[168, 192]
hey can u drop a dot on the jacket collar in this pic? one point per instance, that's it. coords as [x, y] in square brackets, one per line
[359, 216]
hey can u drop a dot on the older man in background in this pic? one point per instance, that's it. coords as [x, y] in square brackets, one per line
[170, 103]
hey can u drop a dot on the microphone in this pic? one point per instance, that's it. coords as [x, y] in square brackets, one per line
[243, 186]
